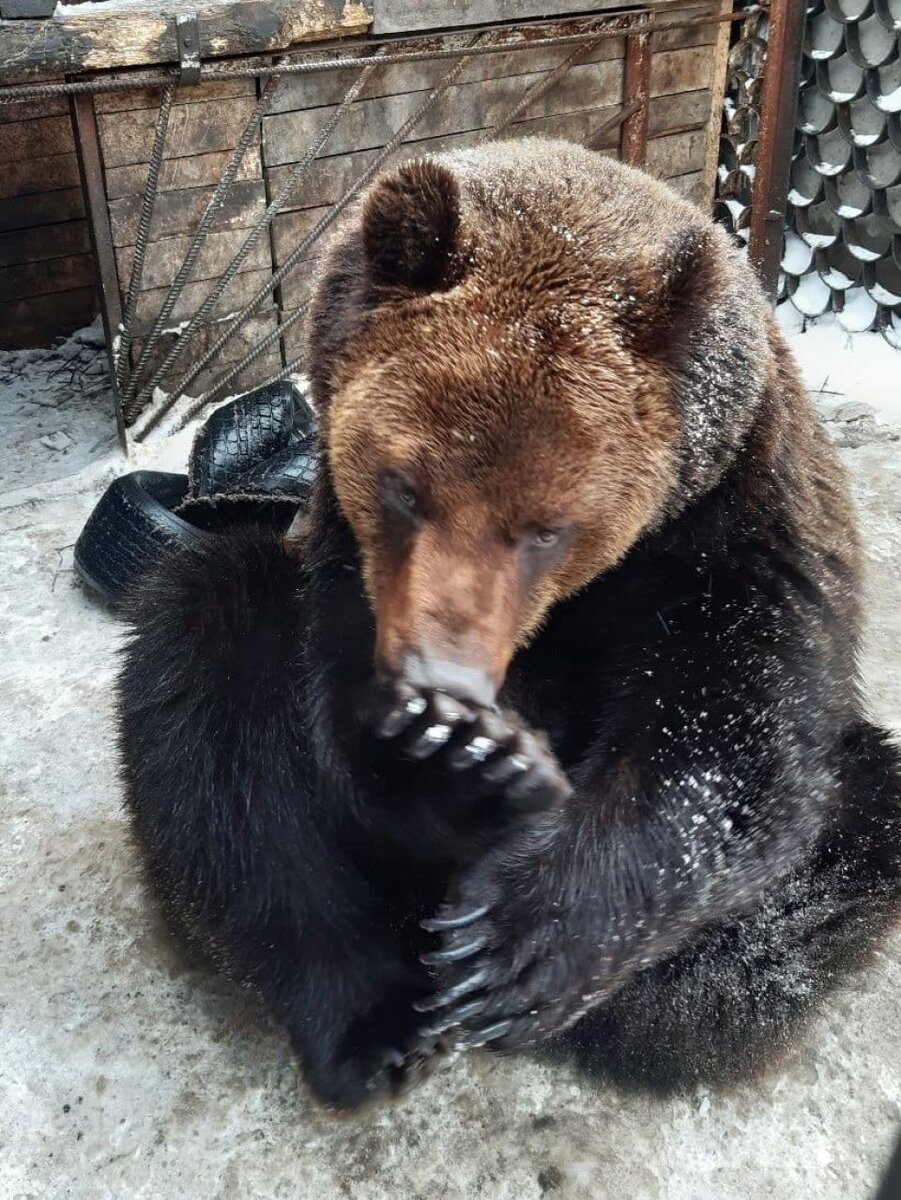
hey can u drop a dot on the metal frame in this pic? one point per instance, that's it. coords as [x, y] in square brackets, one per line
[779, 101]
[135, 387]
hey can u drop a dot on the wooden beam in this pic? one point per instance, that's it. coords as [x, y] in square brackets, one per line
[132, 33]
[717, 89]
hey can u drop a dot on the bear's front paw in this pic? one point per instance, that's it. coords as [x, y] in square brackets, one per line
[489, 753]
[509, 973]
[381, 1057]
[375, 1073]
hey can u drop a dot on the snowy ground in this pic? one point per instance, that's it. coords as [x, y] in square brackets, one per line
[126, 1073]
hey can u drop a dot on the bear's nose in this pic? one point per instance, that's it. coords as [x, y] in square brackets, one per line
[464, 681]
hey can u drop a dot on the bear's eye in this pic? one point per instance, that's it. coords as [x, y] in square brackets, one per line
[400, 496]
[543, 539]
[407, 497]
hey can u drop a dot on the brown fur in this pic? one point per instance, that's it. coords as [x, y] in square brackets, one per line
[657, 834]
[524, 359]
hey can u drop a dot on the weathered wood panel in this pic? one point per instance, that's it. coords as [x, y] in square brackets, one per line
[29, 176]
[678, 154]
[718, 69]
[243, 340]
[44, 208]
[329, 87]
[220, 89]
[200, 128]
[166, 256]
[38, 319]
[179, 212]
[46, 278]
[50, 241]
[46, 268]
[28, 110]
[235, 296]
[38, 137]
[128, 33]
[405, 16]
[332, 176]
[371, 123]
[199, 170]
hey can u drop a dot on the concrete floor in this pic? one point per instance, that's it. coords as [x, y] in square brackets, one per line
[126, 1073]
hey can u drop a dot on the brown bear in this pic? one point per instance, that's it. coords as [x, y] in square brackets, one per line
[547, 731]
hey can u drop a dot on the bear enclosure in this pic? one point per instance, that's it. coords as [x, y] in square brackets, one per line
[190, 161]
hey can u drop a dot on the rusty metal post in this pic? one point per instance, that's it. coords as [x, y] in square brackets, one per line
[633, 138]
[90, 168]
[779, 101]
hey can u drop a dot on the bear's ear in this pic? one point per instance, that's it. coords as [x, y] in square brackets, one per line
[666, 286]
[679, 269]
[411, 222]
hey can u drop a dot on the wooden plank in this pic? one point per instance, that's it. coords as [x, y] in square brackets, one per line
[167, 255]
[677, 154]
[199, 170]
[39, 319]
[217, 89]
[244, 339]
[690, 186]
[127, 137]
[293, 337]
[474, 106]
[668, 115]
[37, 138]
[408, 16]
[296, 291]
[45, 278]
[49, 241]
[332, 176]
[238, 292]
[32, 175]
[718, 71]
[130, 33]
[329, 87]
[27, 212]
[179, 212]
[28, 110]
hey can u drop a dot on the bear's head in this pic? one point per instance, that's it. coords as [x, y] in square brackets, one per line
[498, 381]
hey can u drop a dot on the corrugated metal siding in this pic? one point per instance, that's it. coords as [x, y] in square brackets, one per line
[843, 225]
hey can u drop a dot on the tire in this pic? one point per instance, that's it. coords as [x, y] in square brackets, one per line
[289, 473]
[130, 527]
[241, 436]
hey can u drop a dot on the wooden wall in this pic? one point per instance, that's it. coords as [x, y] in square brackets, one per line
[46, 269]
[207, 121]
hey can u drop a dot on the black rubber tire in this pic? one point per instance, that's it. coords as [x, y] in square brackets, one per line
[130, 527]
[289, 473]
[239, 437]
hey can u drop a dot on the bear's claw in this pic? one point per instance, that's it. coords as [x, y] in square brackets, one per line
[453, 919]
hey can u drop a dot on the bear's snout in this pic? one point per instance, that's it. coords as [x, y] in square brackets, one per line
[469, 682]
[447, 620]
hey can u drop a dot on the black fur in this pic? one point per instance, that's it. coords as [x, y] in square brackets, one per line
[732, 844]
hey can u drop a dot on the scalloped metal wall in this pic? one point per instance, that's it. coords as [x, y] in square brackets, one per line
[843, 224]
[741, 123]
